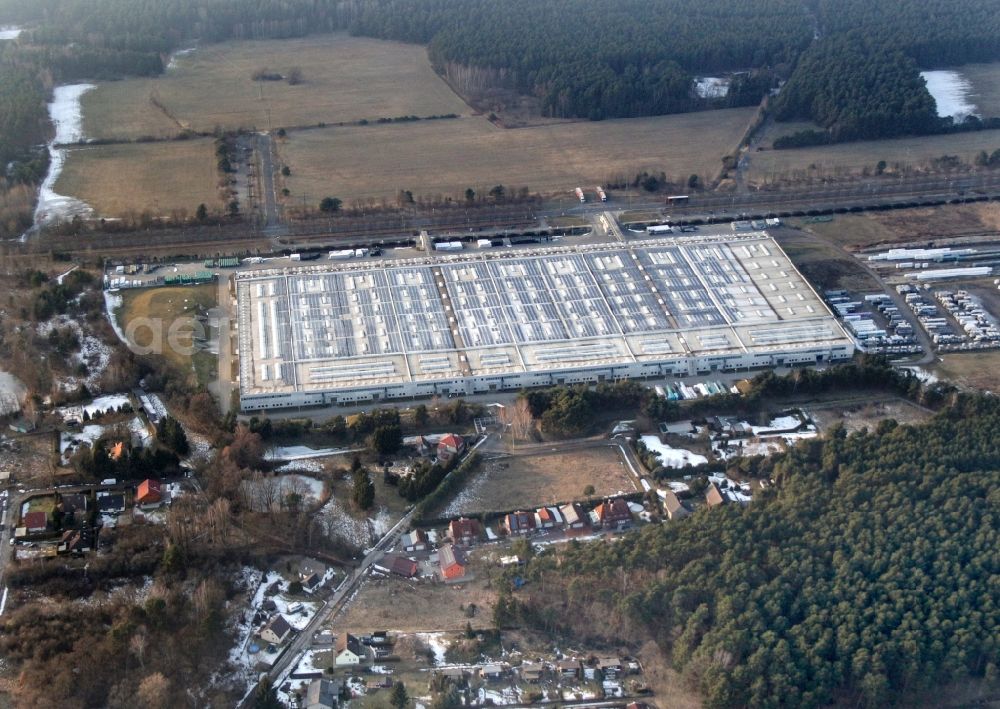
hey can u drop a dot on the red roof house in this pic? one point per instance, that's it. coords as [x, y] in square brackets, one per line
[36, 522]
[463, 530]
[148, 493]
[452, 563]
[449, 446]
[612, 513]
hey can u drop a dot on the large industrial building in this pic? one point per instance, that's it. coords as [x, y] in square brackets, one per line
[506, 319]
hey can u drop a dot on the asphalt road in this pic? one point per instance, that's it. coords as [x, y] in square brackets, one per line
[333, 605]
[264, 152]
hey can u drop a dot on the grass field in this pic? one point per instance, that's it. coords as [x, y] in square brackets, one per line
[532, 480]
[162, 307]
[343, 79]
[397, 604]
[824, 264]
[446, 157]
[857, 231]
[848, 159]
[134, 177]
[976, 370]
[985, 80]
[854, 417]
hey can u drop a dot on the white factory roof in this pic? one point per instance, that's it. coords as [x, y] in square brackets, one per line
[328, 325]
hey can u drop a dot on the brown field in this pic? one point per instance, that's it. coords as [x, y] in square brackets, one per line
[166, 305]
[973, 370]
[848, 159]
[446, 157]
[344, 79]
[985, 80]
[859, 231]
[854, 417]
[395, 603]
[159, 177]
[825, 265]
[532, 480]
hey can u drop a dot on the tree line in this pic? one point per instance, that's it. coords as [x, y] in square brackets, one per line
[865, 574]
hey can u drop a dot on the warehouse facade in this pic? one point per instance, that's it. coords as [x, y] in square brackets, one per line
[491, 321]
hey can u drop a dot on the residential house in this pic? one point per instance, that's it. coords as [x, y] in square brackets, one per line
[415, 540]
[713, 496]
[75, 541]
[452, 562]
[349, 651]
[117, 450]
[610, 667]
[21, 426]
[73, 502]
[419, 443]
[35, 522]
[276, 630]
[399, 565]
[148, 493]
[674, 508]
[569, 669]
[574, 516]
[532, 672]
[519, 523]
[547, 518]
[492, 671]
[611, 514]
[322, 694]
[455, 675]
[450, 446]
[310, 581]
[464, 531]
[110, 503]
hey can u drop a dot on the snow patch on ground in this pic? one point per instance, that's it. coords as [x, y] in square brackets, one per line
[308, 465]
[923, 375]
[781, 423]
[93, 353]
[62, 276]
[339, 523]
[304, 452]
[438, 645]
[98, 405]
[952, 93]
[381, 523]
[711, 87]
[113, 301]
[69, 441]
[672, 457]
[172, 64]
[12, 391]
[66, 114]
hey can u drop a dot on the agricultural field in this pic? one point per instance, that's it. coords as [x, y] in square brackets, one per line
[854, 417]
[538, 479]
[164, 306]
[973, 370]
[343, 79]
[849, 159]
[860, 231]
[162, 178]
[446, 157]
[408, 606]
[985, 82]
[824, 264]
